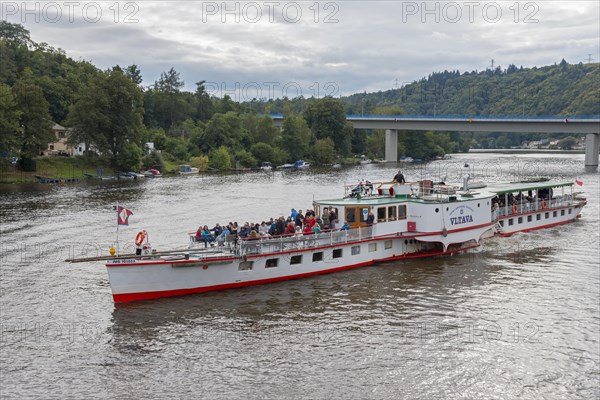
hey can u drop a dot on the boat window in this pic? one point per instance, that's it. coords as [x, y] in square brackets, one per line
[295, 260]
[520, 220]
[381, 214]
[538, 217]
[350, 215]
[355, 250]
[372, 247]
[546, 215]
[529, 218]
[364, 213]
[402, 212]
[387, 244]
[562, 212]
[246, 265]
[511, 222]
[554, 213]
[317, 256]
[570, 211]
[502, 223]
[271, 263]
[337, 253]
[392, 213]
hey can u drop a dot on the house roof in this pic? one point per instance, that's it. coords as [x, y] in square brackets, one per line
[57, 127]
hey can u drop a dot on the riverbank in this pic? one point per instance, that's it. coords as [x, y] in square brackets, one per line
[526, 151]
[54, 167]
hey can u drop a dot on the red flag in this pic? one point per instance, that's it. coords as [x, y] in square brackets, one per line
[123, 216]
[579, 181]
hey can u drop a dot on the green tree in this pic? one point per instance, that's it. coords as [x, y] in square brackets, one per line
[266, 132]
[109, 113]
[295, 137]
[324, 151]
[263, 152]
[134, 73]
[204, 105]
[245, 158]
[327, 119]
[130, 158]
[10, 116]
[35, 119]
[219, 159]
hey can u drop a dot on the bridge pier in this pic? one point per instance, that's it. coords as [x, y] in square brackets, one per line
[391, 145]
[592, 148]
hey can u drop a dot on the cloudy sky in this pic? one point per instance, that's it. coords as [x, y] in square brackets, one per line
[274, 48]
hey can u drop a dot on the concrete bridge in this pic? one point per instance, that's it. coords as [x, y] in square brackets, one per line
[590, 126]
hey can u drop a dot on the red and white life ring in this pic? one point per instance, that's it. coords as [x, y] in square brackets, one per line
[544, 205]
[514, 209]
[139, 239]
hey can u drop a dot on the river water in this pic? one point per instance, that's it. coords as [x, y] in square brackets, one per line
[517, 318]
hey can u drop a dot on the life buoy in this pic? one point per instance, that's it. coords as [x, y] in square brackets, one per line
[514, 209]
[544, 205]
[139, 239]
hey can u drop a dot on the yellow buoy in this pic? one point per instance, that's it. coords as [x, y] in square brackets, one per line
[112, 250]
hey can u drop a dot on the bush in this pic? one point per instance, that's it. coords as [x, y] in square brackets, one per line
[219, 159]
[245, 158]
[27, 164]
[153, 160]
[200, 162]
[130, 158]
[324, 151]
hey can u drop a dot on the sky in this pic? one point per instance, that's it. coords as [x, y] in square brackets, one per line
[270, 49]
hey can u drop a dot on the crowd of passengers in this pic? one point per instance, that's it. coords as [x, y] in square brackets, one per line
[296, 224]
[520, 198]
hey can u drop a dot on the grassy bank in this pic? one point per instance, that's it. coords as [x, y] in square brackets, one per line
[54, 167]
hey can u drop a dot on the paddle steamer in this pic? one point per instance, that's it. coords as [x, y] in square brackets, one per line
[412, 220]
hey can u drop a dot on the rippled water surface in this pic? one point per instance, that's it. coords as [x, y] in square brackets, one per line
[517, 318]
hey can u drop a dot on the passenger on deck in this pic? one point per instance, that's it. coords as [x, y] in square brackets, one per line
[399, 178]
[294, 213]
[263, 229]
[253, 235]
[307, 230]
[244, 231]
[345, 227]
[221, 238]
[217, 229]
[206, 236]
[299, 218]
[290, 229]
[316, 229]
[368, 188]
[325, 218]
[370, 218]
[332, 218]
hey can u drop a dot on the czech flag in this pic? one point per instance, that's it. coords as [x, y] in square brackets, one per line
[123, 216]
[579, 181]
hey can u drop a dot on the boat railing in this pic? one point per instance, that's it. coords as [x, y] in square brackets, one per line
[286, 243]
[533, 206]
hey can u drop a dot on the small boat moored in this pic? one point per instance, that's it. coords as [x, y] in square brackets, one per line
[152, 173]
[188, 170]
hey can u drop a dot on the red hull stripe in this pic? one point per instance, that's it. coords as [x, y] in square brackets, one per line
[128, 297]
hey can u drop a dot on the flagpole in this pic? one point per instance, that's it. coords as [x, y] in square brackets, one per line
[118, 228]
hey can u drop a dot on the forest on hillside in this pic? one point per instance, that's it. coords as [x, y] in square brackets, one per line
[112, 112]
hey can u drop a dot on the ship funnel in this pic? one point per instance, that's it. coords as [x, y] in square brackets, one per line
[466, 182]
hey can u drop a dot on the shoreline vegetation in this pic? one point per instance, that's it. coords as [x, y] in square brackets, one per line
[123, 125]
[76, 167]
